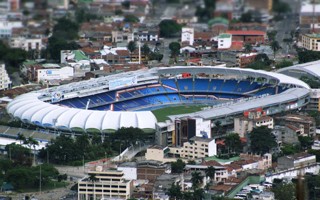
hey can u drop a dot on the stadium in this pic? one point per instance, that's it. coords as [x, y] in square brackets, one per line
[128, 99]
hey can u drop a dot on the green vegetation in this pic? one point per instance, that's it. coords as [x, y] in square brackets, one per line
[169, 28]
[283, 191]
[261, 61]
[284, 63]
[82, 15]
[63, 36]
[262, 140]
[131, 19]
[279, 7]
[12, 57]
[161, 114]
[69, 151]
[178, 166]
[305, 56]
[205, 13]
[313, 82]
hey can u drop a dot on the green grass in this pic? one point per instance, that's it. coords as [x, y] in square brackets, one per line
[49, 186]
[161, 114]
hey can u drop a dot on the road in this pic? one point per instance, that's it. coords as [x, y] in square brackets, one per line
[285, 26]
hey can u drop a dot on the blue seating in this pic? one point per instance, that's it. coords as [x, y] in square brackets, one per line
[169, 82]
[215, 85]
[229, 86]
[185, 84]
[267, 90]
[201, 84]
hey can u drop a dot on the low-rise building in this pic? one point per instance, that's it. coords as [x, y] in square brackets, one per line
[250, 120]
[224, 41]
[311, 42]
[296, 160]
[307, 122]
[248, 36]
[26, 43]
[5, 82]
[150, 170]
[104, 185]
[195, 148]
[314, 103]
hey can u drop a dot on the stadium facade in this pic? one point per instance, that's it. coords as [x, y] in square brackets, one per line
[127, 99]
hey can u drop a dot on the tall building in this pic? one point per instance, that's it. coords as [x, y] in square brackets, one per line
[106, 185]
[5, 82]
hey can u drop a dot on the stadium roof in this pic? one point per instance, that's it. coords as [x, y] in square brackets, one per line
[33, 108]
[312, 68]
[238, 108]
[30, 109]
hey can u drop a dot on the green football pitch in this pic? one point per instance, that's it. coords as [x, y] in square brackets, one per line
[162, 113]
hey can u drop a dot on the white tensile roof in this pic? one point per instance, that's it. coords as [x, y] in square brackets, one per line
[30, 109]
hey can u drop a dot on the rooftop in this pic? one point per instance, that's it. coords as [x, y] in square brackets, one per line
[224, 35]
[299, 156]
[248, 32]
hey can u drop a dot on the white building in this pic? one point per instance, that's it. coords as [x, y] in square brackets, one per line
[5, 82]
[55, 74]
[7, 26]
[224, 41]
[129, 170]
[26, 43]
[187, 35]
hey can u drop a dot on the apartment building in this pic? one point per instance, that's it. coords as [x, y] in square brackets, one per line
[296, 160]
[250, 120]
[311, 41]
[314, 104]
[106, 185]
[195, 148]
[26, 44]
[5, 82]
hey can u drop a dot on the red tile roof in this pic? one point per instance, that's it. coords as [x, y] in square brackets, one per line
[249, 32]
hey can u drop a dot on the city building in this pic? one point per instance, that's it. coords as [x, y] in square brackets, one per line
[296, 160]
[224, 41]
[259, 4]
[300, 121]
[187, 35]
[309, 16]
[26, 44]
[54, 74]
[314, 104]
[245, 59]
[195, 148]
[148, 35]
[7, 26]
[311, 41]
[248, 36]
[101, 184]
[150, 170]
[5, 82]
[250, 120]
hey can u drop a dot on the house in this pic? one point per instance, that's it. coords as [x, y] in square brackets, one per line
[187, 35]
[224, 41]
[5, 82]
[248, 37]
[299, 121]
[295, 160]
[246, 58]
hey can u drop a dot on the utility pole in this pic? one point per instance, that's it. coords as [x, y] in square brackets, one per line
[40, 180]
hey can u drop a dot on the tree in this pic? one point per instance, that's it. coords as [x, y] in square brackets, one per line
[196, 179]
[155, 56]
[284, 191]
[131, 19]
[126, 4]
[248, 48]
[198, 194]
[246, 17]
[132, 46]
[145, 50]
[210, 172]
[19, 154]
[288, 149]
[305, 142]
[279, 6]
[174, 192]
[175, 49]
[21, 138]
[271, 35]
[169, 28]
[305, 56]
[275, 48]
[178, 166]
[262, 140]
[205, 13]
[233, 143]
[316, 153]
[283, 64]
